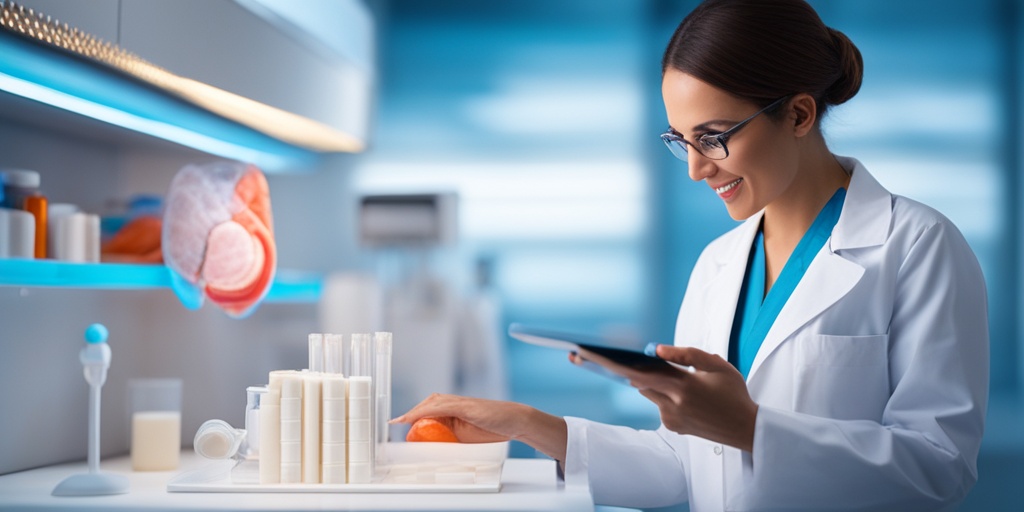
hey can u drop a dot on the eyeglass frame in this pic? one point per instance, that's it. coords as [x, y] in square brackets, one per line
[671, 136]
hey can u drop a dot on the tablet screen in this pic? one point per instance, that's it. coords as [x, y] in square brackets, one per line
[575, 343]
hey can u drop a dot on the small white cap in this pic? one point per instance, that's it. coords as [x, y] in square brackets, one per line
[216, 439]
[335, 387]
[291, 384]
[20, 178]
[359, 387]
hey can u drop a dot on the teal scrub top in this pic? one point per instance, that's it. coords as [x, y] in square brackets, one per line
[755, 311]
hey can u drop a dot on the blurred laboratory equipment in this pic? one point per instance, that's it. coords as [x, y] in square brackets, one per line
[18, 184]
[217, 439]
[17, 233]
[95, 358]
[155, 410]
[55, 248]
[131, 230]
[442, 342]
[75, 237]
[31, 226]
[482, 368]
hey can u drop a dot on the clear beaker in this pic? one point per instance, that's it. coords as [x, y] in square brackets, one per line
[155, 409]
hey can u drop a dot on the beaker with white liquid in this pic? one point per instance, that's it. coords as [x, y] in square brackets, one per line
[155, 409]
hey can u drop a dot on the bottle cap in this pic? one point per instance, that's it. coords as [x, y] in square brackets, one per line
[20, 178]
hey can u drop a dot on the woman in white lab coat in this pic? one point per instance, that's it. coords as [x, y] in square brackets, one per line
[839, 335]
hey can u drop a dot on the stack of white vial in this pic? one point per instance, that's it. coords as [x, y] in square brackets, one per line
[319, 426]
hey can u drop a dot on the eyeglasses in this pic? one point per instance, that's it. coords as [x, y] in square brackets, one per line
[710, 145]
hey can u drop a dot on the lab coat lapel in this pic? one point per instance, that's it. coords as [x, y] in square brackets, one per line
[828, 279]
[864, 222]
[723, 291]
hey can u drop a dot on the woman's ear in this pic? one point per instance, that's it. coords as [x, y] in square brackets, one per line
[803, 113]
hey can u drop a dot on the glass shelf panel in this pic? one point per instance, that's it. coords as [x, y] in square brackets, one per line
[291, 286]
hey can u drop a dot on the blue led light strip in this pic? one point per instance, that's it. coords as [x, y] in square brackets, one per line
[289, 285]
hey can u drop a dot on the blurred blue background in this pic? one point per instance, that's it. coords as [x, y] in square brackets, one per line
[544, 117]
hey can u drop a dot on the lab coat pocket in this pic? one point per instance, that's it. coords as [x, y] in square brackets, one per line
[842, 377]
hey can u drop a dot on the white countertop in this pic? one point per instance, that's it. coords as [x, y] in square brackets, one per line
[526, 484]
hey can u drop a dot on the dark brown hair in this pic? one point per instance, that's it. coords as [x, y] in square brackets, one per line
[762, 50]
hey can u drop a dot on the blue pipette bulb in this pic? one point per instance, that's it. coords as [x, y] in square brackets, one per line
[96, 333]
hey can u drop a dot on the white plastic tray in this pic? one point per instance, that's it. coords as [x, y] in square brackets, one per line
[412, 468]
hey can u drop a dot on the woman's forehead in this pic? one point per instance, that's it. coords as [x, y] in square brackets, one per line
[690, 101]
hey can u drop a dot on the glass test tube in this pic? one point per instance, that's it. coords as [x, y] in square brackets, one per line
[333, 354]
[382, 393]
[360, 356]
[316, 352]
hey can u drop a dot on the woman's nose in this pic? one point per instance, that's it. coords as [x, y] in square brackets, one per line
[700, 166]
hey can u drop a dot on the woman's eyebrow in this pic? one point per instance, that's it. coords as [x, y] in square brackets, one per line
[705, 126]
[714, 122]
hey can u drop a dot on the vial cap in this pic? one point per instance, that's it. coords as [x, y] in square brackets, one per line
[20, 178]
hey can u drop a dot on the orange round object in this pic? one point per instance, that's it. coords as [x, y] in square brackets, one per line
[430, 430]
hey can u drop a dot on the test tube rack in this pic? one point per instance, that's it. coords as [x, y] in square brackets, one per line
[322, 425]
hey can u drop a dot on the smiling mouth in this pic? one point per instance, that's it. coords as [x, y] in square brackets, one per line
[727, 187]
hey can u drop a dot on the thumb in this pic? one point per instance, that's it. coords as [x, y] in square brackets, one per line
[695, 357]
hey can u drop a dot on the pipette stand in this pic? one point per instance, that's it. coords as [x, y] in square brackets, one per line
[95, 358]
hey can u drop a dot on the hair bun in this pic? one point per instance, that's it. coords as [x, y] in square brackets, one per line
[851, 69]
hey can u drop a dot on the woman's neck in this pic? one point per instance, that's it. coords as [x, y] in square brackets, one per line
[788, 217]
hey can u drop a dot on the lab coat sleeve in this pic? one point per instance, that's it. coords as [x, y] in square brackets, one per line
[624, 466]
[923, 454]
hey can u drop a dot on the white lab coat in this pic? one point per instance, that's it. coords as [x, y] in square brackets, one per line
[872, 383]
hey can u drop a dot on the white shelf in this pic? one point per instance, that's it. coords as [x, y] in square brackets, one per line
[526, 484]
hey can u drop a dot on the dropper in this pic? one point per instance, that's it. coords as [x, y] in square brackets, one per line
[95, 358]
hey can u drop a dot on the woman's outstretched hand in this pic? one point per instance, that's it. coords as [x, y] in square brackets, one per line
[710, 401]
[476, 420]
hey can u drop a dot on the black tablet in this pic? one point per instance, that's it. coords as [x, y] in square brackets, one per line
[574, 343]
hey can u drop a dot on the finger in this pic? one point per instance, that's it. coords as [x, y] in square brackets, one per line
[432, 406]
[695, 357]
[659, 399]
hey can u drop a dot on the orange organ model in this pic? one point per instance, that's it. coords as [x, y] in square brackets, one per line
[429, 429]
[218, 236]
